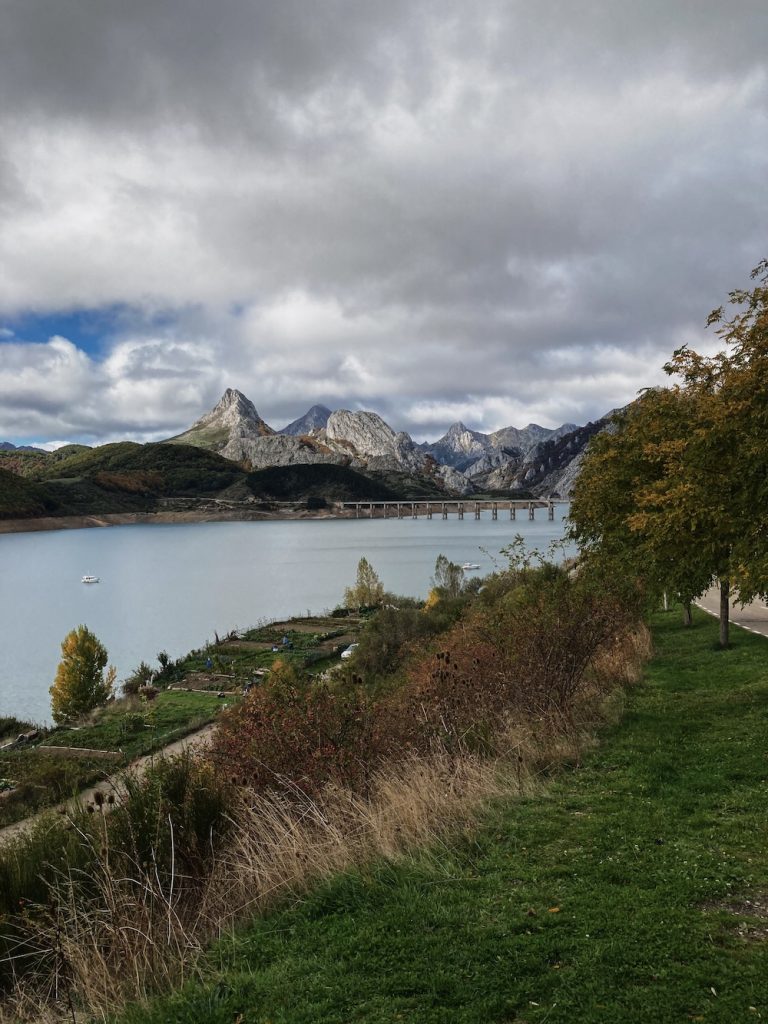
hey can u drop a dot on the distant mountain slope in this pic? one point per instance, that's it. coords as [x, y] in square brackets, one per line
[551, 467]
[6, 446]
[488, 459]
[22, 499]
[233, 440]
[32, 463]
[459, 446]
[523, 438]
[157, 469]
[233, 417]
[361, 440]
[121, 477]
[313, 419]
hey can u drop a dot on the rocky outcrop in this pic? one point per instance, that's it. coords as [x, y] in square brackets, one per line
[383, 451]
[281, 450]
[228, 427]
[459, 447]
[552, 466]
[314, 419]
[493, 461]
[523, 439]
[367, 433]
[507, 459]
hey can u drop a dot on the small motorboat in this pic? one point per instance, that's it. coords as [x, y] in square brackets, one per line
[469, 566]
[90, 579]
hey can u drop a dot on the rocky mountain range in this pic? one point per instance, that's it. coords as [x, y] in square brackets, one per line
[532, 459]
[463, 461]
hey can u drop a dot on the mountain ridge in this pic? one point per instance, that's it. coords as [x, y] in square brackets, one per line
[462, 462]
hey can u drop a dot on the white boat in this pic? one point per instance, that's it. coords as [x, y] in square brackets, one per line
[469, 566]
[90, 579]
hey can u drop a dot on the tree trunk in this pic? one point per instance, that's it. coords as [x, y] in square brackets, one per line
[666, 602]
[725, 609]
[687, 617]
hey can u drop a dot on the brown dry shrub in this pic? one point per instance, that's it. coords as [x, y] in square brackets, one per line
[296, 737]
[130, 482]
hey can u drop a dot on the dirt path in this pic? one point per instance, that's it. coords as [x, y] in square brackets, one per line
[194, 741]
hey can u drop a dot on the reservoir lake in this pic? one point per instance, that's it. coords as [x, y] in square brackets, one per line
[170, 587]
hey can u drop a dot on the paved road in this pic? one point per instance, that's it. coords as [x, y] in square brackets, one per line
[194, 740]
[753, 617]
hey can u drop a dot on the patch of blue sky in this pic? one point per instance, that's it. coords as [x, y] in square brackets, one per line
[90, 330]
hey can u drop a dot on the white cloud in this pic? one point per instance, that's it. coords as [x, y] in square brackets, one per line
[435, 210]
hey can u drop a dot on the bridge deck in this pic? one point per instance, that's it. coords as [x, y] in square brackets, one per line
[452, 506]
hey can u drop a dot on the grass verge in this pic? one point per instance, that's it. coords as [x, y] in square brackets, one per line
[630, 891]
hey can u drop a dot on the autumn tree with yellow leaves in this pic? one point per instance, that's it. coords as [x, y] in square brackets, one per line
[675, 491]
[81, 682]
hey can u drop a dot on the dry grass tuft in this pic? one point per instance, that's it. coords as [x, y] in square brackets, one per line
[114, 936]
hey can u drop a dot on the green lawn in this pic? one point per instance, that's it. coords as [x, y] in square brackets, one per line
[613, 897]
[43, 779]
[145, 728]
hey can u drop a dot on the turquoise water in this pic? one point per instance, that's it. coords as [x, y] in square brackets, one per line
[169, 587]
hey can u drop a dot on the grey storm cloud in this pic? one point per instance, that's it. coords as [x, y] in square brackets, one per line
[496, 212]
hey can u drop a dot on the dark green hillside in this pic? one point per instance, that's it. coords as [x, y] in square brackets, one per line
[408, 486]
[113, 478]
[323, 480]
[38, 464]
[161, 470]
[338, 483]
[22, 499]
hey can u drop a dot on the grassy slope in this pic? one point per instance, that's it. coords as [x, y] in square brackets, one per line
[593, 903]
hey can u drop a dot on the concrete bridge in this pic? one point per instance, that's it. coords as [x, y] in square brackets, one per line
[455, 506]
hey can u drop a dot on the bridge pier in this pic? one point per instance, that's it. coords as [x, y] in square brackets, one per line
[462, 508]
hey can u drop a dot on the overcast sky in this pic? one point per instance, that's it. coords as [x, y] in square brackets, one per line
[498, 212]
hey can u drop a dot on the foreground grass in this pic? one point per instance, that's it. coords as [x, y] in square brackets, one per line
[619, 896]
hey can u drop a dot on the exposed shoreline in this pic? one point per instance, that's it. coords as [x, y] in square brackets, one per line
[42, 523]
